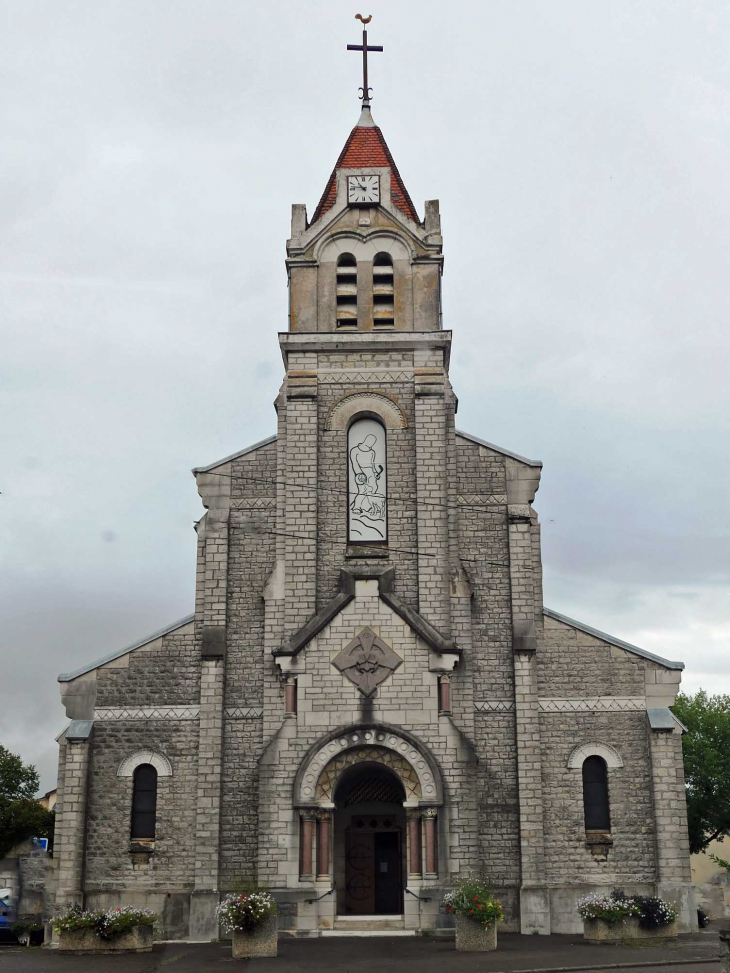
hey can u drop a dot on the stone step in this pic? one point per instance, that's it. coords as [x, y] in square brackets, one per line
[370, 924]
[367, 932]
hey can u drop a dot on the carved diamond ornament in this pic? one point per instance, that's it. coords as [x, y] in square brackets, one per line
[367, 661]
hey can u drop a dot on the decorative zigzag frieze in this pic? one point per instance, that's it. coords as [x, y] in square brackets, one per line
[605, 704]
[109, 714]
[348, 375]
[494, 705]
[253, 503]
[480, 500]
[244, 713]
[600, 704]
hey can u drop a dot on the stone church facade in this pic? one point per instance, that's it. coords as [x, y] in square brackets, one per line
[370, 698]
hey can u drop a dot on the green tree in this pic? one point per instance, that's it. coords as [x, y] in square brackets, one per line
[21, 816]
[706, 749]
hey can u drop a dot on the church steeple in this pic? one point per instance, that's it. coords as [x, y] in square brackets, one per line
[366, 147]
[365, 262]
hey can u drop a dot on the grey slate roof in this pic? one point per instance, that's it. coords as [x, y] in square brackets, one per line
[498, 449]
[68, 676]
[241, 452]
[662, 718]
[613, 641]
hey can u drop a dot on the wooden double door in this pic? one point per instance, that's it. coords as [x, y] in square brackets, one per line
[373, 871]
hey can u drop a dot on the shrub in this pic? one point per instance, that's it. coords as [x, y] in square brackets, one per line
[107, 924]
[473, 898]
[242, 912]
[654, 912]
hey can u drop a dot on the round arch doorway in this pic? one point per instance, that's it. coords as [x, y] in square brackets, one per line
[369, 841]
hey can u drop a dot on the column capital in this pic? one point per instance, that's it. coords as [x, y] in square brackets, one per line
[413, 814]
[323, 814]
[308, 814]
[429, 812]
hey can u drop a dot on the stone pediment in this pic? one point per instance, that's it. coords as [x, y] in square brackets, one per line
[444, 648]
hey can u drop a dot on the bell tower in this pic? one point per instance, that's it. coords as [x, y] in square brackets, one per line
[366, 261]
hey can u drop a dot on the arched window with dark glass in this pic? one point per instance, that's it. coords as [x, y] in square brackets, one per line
[346, 311]
[144, 803]
[595, 795]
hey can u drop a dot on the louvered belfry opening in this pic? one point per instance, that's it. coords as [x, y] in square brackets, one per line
[346, 291]
[383, 292]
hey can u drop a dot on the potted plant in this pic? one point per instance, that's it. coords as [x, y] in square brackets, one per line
[610, 918]
[121, 930]
[250, 918]
[476, 913]
[605, 918]
[657, 917]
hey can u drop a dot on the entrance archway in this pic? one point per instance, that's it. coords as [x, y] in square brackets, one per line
[369, 841]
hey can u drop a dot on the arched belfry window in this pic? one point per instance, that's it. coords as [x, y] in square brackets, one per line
[346, 291]
[367, 482]
[595, 796]
[383, 291]
[144, 803]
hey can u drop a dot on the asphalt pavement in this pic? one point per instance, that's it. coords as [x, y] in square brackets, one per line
[515, 954]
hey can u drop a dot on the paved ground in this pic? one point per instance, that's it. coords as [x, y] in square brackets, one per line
[516, 954]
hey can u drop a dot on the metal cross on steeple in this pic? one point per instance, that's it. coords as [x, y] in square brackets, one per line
[365, 96]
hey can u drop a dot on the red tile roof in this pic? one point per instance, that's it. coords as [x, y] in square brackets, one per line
[367, 147]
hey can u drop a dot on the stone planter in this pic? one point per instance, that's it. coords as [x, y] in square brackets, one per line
[261, 941]
[659, 932]
[137, 940]
[600, 931]
[473, 937]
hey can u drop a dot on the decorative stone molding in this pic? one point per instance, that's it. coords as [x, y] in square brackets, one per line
[579, 754]
[494, 705]
[253, 503]
[481, 499]
[600, 704]
[346, 376]
[158, 760]
[376, 402]
[112, 714]
[244, 713]
[327, 781]
[376, 744]
[367, 661]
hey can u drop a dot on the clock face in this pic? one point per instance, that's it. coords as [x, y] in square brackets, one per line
[363, 189]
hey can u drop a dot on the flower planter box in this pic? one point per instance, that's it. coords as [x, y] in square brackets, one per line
[474, 937]
[261, 941]
[600, 931]
[657, 932]
[137, 940]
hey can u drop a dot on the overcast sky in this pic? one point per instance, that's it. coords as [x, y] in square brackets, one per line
[150, 154]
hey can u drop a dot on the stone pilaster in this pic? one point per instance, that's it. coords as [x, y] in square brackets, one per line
[71, 814]
[534, 898]
[674, 879]
[203, 925]
[300, 475]
[432, 489]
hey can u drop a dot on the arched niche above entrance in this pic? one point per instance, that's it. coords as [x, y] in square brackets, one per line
[317, 778]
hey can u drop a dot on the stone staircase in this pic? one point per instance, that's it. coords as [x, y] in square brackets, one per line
[368, 926]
